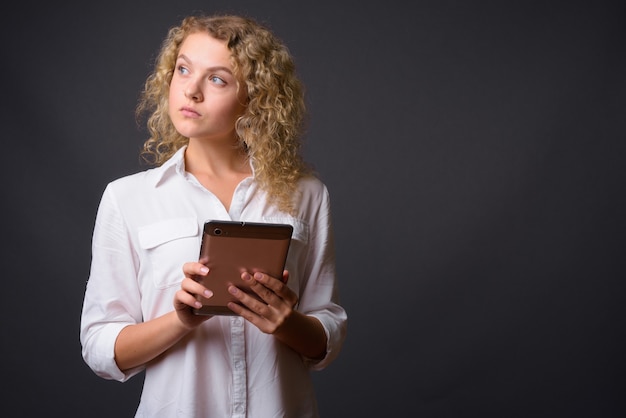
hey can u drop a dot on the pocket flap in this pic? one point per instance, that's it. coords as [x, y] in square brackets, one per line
[153, 235]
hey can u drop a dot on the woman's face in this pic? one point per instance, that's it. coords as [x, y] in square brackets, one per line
[204, 98]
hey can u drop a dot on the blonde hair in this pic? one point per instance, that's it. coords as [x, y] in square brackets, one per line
[271, 127]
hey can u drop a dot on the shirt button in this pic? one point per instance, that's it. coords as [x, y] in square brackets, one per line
[238, 321]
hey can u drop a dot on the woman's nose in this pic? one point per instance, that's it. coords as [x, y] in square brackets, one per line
[193, 92]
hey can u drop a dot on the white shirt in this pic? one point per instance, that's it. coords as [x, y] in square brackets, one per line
[147, 226]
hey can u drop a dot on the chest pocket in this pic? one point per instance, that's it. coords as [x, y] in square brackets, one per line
[168, 244]
[300, 227]
[297, 249]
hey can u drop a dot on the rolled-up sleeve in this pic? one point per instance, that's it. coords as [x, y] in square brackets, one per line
[320, 296]
[112, 301]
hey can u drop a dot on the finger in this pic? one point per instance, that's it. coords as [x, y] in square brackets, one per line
[251, 303]
[248, 315]
[268, 281]
[263, 291]
[192, 269]
[235, 307]
[280, 292]
[278, 287]
[189, 293]
[184, 299]
[189, 285]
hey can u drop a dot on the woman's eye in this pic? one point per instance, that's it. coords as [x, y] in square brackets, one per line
[215, 79]
[182, 69]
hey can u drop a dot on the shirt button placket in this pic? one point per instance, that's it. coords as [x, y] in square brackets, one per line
[238, 364]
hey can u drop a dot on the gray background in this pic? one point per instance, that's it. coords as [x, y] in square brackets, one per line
[474, 152]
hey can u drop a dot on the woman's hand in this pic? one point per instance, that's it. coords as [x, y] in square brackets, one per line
[276, 306]
[140, 343]
[185, 298]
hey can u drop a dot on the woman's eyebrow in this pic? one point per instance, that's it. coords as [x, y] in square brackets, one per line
[214, 68]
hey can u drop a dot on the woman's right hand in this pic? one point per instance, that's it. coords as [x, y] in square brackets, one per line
[140, 343]
[185, 298]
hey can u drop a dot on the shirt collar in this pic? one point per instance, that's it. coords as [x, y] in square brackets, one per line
[174, 165]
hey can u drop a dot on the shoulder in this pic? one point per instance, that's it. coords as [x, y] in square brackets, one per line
[131, 182]
[312, 195]
[150, 178]
[312, 187]
[312, 184]
[134, 186]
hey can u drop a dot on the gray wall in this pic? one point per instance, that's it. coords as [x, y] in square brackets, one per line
[474, 152]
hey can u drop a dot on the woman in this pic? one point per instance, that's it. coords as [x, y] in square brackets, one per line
[226, 111]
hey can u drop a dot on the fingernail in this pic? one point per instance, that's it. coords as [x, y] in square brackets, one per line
[204, 270]
[207, 293]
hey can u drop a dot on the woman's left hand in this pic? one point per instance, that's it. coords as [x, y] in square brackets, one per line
[276, 305]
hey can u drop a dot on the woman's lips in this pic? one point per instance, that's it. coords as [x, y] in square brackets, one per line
[189, 112]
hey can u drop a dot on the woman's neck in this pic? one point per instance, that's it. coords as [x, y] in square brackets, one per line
[216, 159]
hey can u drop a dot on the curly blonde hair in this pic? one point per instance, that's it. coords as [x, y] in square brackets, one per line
[271, 127]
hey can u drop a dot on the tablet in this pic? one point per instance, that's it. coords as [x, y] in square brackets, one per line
[229, 248]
